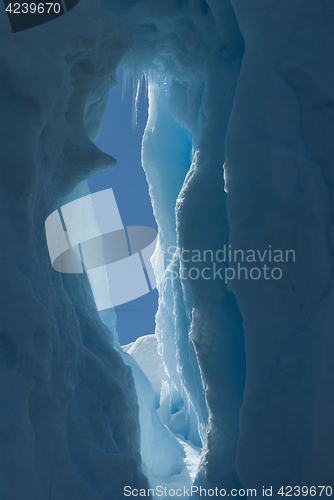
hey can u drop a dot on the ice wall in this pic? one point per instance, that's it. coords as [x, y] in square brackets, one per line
[69, 421]
[278, 194]
[69, 416]
[279, 161]
[198, 322]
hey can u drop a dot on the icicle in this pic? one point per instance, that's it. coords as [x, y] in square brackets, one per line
[146, 81]
[125, 83]
[135, 99]
[139, 85]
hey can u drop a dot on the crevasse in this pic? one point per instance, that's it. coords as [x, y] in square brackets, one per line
[246, 367]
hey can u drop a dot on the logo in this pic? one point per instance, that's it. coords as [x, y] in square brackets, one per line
[87, 236]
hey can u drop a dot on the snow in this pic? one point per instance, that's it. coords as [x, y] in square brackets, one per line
[161, 453]
[69, 415]
[145, 351]
[169, 460]
[236, 385]
[204, 368]
[280, 193]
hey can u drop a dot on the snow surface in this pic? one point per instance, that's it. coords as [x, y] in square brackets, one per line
[145, 351]
[169, 461]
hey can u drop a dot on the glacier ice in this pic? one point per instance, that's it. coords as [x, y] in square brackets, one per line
[145, 351]
[206, 362]
[69, 418]
[168, 461]
[244, 395]
[276, 108]
[161, 452]
[277, 143]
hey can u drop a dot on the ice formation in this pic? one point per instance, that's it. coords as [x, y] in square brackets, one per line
[202, 395]
[69, 414]
[244, 369]
[278, 144]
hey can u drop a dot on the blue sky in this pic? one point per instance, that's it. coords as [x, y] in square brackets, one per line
[128, 181]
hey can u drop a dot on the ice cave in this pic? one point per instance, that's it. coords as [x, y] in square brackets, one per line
[223, 386]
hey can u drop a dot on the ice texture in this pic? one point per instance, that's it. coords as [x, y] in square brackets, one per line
[145, 351]
[61, 74]
[246, 372]
[168, 461]
[69, 422]
[161, 452]
[279, 191]
[198, 323]
[277, 110]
